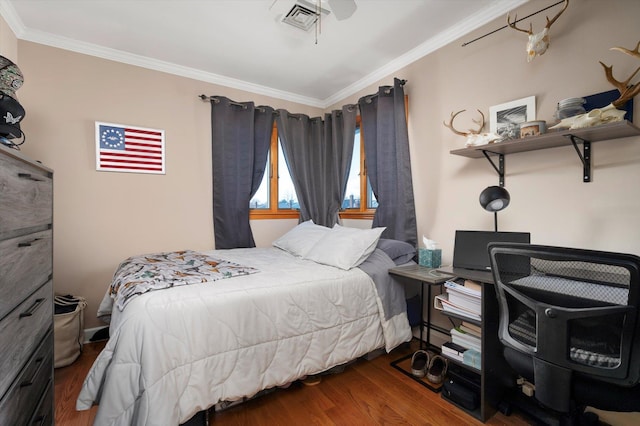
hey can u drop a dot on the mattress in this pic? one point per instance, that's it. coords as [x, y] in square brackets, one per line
[177, 351]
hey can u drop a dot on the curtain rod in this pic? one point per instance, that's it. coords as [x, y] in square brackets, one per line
[206, 98]
[502, 28]
[368, 99]
[216, 100]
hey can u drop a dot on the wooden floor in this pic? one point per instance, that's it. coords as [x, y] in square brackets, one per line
[67, 383]
[365, 393]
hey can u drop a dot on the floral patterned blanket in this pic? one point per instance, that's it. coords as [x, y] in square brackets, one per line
[140, 274]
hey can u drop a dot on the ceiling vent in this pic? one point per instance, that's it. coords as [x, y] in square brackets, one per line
[303, 15]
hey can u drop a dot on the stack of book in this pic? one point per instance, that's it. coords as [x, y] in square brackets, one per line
[465, 345]
[454, 351]
[465, 338]
[463, 300]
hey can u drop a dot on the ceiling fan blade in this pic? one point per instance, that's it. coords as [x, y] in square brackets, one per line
[342, 9]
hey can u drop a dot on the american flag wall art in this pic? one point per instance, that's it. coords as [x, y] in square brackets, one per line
[123, 148]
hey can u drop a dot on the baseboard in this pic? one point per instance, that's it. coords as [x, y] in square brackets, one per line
[89, 332]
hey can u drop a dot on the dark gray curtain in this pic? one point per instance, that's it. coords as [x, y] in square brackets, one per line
[318, 154]
[240, 136]
[386, 147]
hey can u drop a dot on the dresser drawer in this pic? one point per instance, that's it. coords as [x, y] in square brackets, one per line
[17, 407]
[24, 328]
[26, 194]
[44, 414]
[25, 264]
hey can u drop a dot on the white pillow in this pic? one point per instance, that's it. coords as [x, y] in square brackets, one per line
[301, 239]
[345, 248]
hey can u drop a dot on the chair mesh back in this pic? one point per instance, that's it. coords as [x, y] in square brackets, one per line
[568, 307]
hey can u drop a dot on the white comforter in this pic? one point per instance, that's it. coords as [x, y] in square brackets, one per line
[177, 351]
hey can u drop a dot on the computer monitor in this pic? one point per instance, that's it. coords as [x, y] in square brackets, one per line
[470, 247]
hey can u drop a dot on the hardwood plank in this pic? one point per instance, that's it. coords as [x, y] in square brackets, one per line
[365, 393]
[67, 384]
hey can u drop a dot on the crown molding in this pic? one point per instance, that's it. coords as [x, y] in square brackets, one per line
[11, 18]
[163, 66]
[462, 28]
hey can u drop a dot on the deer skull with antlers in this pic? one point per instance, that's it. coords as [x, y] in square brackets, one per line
[539, 42]
[474, 137]
[609, 113]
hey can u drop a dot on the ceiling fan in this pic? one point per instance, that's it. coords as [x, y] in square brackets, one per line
[304, 14]
[342, 9]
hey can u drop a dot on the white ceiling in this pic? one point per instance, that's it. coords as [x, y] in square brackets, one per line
[243, 43]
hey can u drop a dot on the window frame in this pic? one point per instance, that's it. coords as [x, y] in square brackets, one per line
[361, 212]
[274, 212]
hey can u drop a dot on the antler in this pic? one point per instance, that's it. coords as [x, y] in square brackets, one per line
[513, 24]
[626, 91]
[530, 30]
[470, 132]
[551, 21]
[635, 52]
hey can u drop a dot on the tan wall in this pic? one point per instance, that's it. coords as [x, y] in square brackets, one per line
[8, 42]
[548, 197]
[101, 218]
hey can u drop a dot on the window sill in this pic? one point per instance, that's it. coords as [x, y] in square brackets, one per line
[357, 214]
[282, 214]
[294, 214]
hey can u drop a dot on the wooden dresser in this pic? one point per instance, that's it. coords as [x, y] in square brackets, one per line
[26, 290]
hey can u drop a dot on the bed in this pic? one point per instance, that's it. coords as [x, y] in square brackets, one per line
[175, 352]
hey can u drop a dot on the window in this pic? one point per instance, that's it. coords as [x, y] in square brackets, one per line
[359, 201]
[276, 197]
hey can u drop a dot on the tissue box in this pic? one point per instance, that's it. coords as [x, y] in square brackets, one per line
[429, 258]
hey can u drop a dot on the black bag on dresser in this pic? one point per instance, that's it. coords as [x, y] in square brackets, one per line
[460, 394]
[68, 329]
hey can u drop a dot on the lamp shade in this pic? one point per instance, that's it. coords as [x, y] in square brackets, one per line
[494, 198]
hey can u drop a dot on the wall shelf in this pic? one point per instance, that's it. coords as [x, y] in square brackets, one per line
[554, 139]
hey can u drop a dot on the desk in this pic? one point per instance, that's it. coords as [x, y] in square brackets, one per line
[468, 274]
[423, 275]
[428, 276]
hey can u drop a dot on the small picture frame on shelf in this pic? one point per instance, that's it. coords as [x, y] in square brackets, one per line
[505, 119]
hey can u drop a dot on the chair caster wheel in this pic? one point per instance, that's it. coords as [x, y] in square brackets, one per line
[505, 408]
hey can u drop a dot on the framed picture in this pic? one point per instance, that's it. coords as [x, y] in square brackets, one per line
[505, 119]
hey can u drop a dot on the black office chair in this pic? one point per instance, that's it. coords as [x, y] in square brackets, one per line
[570, 325]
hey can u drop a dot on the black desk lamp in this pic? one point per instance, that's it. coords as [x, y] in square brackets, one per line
[493, 199]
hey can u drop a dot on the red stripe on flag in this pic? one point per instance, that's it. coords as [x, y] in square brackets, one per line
[156, 169]
[134, 144]
[146, 132]
[141, 138]
[109, 154]
[130, 162]
[146, 151]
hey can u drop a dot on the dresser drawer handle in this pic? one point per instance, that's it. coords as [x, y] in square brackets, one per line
[29, 176]
[28, 243]
[33, 308]
[32, 379]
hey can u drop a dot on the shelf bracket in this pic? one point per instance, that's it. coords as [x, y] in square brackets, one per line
[499, 168]
[585, 155]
